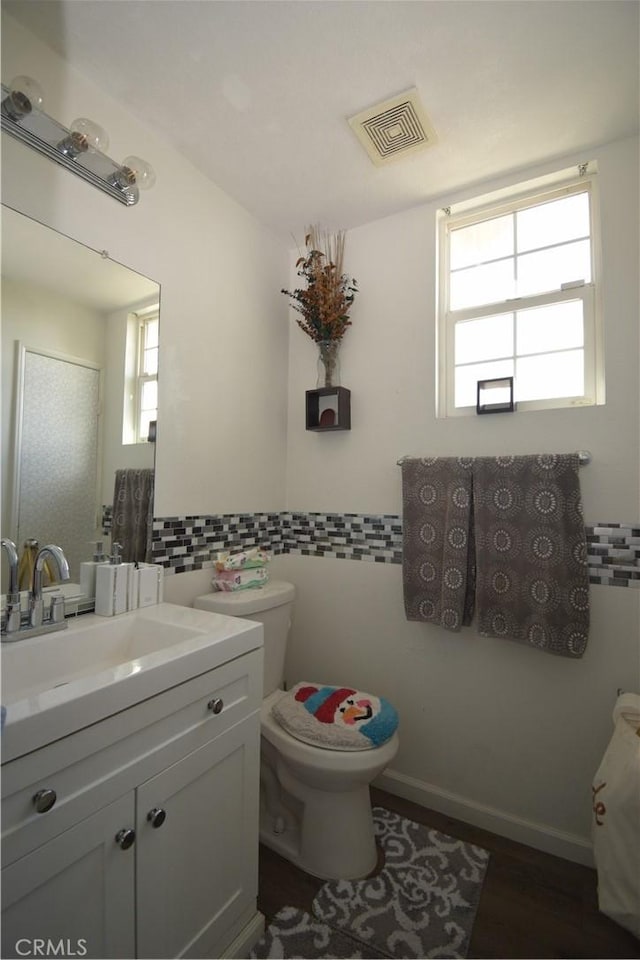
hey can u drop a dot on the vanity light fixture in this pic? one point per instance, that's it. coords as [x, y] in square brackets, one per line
[79, 148]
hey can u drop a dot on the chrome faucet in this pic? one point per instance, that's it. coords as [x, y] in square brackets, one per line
[12, 621]
[36, 603]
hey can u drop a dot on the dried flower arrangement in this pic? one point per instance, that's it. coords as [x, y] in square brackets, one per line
[325, 303]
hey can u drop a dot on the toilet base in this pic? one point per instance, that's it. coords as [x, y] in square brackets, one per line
[329, 835]
[325, 855]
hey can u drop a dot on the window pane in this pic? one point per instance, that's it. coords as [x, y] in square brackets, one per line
[466, 382]
[151, 333]
[553, 222]
[484, 339]
[549, 269]
[150, 362]
[551, 375]
[557, 326]
[476, 286]
[149, 395]
[489, 240]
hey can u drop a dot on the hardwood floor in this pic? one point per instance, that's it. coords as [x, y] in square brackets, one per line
[533, 905]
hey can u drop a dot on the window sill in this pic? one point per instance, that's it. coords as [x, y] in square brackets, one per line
[527, 406]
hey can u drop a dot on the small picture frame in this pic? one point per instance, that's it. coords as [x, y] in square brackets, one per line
[495, 396]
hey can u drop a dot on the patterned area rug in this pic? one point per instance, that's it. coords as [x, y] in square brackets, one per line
[293, 933]
[421, 904]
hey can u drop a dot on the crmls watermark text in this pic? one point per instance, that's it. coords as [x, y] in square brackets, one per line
[38, 947]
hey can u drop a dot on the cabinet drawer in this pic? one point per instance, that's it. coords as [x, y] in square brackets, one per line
[94, 766]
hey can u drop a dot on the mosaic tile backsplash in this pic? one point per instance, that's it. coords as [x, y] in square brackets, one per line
[182, 544]
[613, 554]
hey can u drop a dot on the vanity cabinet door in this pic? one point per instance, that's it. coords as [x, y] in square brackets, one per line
[197, 849]
[77, 889]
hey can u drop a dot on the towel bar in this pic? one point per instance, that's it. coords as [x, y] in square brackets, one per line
[584, 456]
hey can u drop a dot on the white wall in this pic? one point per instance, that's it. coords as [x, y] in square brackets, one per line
[223, 363]
[497, 733]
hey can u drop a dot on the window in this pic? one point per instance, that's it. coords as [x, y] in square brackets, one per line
[517, 297]
[141, 376]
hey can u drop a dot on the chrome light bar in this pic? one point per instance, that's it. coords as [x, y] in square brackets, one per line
[40, 131]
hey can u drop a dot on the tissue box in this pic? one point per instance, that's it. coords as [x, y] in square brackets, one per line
[255, 557]
[240, 579]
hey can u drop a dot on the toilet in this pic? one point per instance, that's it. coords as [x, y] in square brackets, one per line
[315, 808]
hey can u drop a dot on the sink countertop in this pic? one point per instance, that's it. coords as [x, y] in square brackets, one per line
[58, 683]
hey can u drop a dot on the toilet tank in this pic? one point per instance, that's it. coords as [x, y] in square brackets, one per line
[271, 605]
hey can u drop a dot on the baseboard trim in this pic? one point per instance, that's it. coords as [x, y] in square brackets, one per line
[242, 945]
[567, 845]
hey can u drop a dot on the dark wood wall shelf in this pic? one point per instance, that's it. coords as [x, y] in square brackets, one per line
[328, 408]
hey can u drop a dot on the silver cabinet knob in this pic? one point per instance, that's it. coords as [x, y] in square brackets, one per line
[125, 838]
[156, 817]
[215, 705]
[43, 800]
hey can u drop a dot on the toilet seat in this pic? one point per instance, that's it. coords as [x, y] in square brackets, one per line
[310, 755]
[335, 717]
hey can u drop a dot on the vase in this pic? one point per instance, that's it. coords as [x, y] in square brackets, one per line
[328, 363]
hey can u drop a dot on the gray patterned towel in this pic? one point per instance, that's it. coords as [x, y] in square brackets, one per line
[132, 523]
[438, 554]
[503, 534]
[532, 575]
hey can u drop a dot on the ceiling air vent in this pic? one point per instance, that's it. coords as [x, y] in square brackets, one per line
[394, 129]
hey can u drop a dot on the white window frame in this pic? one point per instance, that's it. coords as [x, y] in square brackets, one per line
[564, 184]
[134, 376]
[142, 377]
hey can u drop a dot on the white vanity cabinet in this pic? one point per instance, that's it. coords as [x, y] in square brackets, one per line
[150, 846]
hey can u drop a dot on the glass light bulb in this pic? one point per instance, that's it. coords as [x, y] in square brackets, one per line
[30, 89]
[91, 134]
[143, 173]
[24, 96]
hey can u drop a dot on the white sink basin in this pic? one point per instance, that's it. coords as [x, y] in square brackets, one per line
[47, 662]
[57, 683]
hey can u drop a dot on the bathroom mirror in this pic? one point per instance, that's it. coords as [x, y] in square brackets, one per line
[72, 333]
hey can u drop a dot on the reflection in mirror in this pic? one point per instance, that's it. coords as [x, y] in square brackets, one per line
[79, 369]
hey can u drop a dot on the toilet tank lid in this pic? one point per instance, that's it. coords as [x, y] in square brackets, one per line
[240, 603]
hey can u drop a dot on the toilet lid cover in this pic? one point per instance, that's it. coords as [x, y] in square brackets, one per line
[337, 718]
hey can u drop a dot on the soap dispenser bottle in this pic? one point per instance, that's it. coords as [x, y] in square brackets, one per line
[112, 584]
[88, 569]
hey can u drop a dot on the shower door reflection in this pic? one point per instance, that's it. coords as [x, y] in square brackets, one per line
[58, 444]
